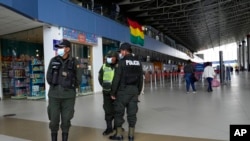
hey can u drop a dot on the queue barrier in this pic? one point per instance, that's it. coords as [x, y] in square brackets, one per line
[161, 78]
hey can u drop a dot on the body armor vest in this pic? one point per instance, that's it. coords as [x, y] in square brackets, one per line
[108, 75]
[132, 71]
[63, 73]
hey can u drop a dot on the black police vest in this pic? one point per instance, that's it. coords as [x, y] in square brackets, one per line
[132, 71]
[63, 72]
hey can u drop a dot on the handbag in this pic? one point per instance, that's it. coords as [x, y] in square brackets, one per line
[193, 78]
[215, 82]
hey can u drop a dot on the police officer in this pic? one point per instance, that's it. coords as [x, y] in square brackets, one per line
[106, 75]
[126, 87]
[63, 77]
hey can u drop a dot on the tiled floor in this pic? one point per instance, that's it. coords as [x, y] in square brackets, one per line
[166, 113]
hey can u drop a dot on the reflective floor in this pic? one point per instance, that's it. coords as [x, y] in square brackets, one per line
[166, 113]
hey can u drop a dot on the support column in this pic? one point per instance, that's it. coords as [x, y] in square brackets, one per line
[49, 34]
[239, 55]
[248, 56]
[243, 54]
[222, 67]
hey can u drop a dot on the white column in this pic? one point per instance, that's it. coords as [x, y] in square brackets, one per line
[49, 34]
[97, 63]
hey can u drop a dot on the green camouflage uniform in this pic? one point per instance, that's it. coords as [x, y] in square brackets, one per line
[63, 77]
[126, 87]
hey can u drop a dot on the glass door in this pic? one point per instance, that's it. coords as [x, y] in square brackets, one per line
[83, 54]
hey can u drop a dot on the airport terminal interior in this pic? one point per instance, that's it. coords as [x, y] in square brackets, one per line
[166, 113]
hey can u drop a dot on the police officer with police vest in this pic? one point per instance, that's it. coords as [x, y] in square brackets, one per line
[126, 87]
[106, 75]
[63, 77]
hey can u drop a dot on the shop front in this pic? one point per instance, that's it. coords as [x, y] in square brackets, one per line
[83, 53]
[22, 64]
[82, 49]
[25, 56]
[109, 44]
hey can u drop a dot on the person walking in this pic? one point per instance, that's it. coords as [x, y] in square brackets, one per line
[63, 77]
[188, 71]
[209, 74]
[106, 75]
[126, 87]
[228, 73]
[143, 84]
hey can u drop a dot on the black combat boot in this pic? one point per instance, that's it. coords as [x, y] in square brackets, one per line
[118, 135]
[109, 128]
[53, 136]
[65, 136]
[130, 138]
[131, 132]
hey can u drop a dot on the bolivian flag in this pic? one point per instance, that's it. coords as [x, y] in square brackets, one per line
[136, 33]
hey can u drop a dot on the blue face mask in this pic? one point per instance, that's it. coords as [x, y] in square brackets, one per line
[60, 51]
[120, 56]
[109, 60]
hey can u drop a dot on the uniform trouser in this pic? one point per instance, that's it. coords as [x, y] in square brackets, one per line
[60, 108]
[128, 102]
[108, 107]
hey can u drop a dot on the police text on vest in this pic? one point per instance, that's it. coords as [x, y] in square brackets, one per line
[132, 63]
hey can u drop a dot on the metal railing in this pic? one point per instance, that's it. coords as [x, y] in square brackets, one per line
[163, 79]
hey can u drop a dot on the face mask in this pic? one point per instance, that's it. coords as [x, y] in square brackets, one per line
[60, 51]
[109, 60]
[120, 56]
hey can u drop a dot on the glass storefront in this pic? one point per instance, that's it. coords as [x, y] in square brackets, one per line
[109, 44]
[83, 55]
[22, 65]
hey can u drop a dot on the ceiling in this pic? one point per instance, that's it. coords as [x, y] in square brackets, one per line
[23, 28]
[196, 24]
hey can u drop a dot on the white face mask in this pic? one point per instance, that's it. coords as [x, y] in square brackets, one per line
[120, 56]
[109, 60]
[60, 51]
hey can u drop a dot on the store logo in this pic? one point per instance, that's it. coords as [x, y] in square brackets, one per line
[239, 132]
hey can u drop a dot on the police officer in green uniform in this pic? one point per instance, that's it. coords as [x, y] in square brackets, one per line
[106, 75]
[63, 77]
[126, 87]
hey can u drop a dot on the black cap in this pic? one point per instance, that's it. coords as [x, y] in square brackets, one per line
[126, 46]
[63, 43]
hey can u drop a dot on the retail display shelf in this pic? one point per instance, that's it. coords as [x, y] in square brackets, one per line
[35, 97]
[83, 94]
[37, 84]
[19, 97]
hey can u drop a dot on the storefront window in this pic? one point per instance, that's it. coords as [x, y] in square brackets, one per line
[109, 44]
[83, 55]
[22, 69]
